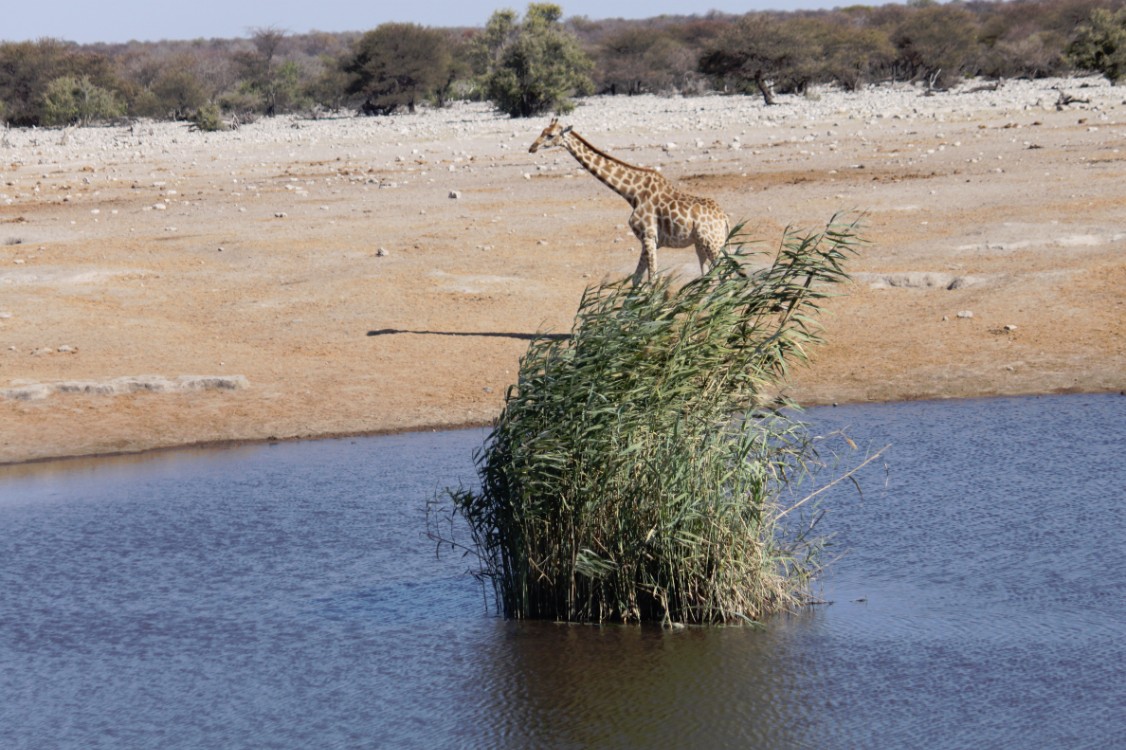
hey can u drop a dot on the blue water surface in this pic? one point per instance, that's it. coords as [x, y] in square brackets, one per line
[287, 596]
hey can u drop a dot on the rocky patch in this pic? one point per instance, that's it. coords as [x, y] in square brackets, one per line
[127, 384]
[920, 280]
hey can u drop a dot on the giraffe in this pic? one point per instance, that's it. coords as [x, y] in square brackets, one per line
[663, 216]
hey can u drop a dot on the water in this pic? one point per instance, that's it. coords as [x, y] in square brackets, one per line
[286, 596]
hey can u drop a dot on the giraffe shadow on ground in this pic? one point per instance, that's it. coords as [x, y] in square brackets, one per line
[483, 334]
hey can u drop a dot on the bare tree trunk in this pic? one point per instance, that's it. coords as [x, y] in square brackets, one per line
[765, 90]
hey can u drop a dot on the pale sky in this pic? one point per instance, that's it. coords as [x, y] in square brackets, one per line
[85, 21]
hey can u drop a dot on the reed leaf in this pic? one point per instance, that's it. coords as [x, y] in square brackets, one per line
[636, 470]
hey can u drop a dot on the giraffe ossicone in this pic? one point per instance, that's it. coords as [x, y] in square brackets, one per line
[663, 215]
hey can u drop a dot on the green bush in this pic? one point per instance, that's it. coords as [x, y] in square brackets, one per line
[636, 470]
[72, 100]
[1099, 44]
[209, 119]
[48, 73]
[532, 67]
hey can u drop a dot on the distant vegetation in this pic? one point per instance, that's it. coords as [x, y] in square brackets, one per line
[537, 63]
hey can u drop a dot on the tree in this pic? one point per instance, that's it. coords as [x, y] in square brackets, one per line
[640, 59]
[1037, 54]
[77, 101]
[178, 92]
[327, 56]
[1100, 44]
[269, 83]
[855, 56]
[399, 64]
[532, 67]
[936, 42]
[28, 68]
[762, 51]
[173, 80]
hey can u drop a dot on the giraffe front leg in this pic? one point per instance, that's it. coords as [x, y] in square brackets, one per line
[642, 264]
[647, 261]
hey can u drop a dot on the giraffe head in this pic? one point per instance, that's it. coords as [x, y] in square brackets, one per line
[551, 136]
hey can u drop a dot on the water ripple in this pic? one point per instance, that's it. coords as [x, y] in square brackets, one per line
[287, 596]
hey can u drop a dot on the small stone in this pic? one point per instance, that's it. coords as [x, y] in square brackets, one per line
[1010, 328]
[280, 214]
[381, 253]
[68, 349]
[455, 195]
[965, 314]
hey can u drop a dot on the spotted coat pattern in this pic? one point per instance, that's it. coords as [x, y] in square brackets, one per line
[663, 216]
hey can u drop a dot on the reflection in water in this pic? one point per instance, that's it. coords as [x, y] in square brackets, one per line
[582, 686]
[286, 596]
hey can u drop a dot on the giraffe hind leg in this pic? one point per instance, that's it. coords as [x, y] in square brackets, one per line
[706, 253]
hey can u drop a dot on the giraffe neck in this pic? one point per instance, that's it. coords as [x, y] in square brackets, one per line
[624, 179]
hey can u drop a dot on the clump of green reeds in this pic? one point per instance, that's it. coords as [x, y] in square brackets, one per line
[635, 471]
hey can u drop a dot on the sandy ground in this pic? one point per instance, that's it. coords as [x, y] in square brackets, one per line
[299, 278]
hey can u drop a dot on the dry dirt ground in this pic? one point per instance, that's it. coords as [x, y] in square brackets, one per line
[300, 278]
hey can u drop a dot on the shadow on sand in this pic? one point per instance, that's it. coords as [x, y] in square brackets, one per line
[486, 334]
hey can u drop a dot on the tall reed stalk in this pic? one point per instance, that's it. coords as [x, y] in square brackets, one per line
[636, 469]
